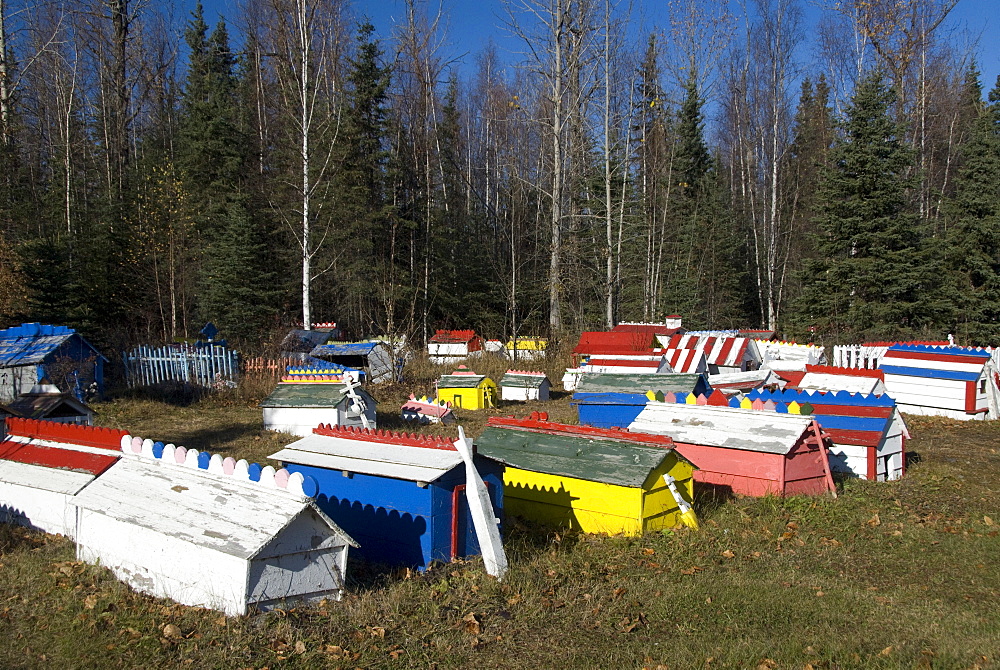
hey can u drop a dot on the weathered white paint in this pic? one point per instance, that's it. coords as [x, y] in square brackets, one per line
[817, 381]
[207, 539]
[39, 497]
[487, 526]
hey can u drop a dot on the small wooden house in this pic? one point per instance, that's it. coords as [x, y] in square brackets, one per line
[401, 496]
[426, 410]
[652, 364]
[374, 357]
[723, 353]
[867, 431]
[588, 479]
[615, 344]
[298, 341]
[670, 326]
[298, 404]
[940, 380]
[465, 389]
[789, 355]
[524, 385]
[210, 532]
[749, 452]
[43, 464]
[33, 352]
[828, 378]
[451, 346]
[743, 382]
[610, 401]
[686, 361]
[525, 348]
[46, 402]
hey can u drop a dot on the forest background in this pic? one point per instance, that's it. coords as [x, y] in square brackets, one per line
[836, 183]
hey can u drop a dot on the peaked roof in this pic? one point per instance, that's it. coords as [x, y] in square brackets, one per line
[609, 457]
[374, 452]
[524, 379]
[648, 328]
[43, 405]
[600, 342]
[345, 349]
[31, 343]
[726, 427]
[937, 362]
[453, 336]
[719, 350]
[462, 380]
[308, 394]
[304, 341]
[686, 360]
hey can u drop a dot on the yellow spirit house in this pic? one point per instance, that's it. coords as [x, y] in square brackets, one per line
[589, 479]
[465, 389]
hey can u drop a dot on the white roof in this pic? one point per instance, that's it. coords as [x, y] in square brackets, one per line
[731, 428]
[399, 461]
[817, 381]
[40, 477]
[220, 512]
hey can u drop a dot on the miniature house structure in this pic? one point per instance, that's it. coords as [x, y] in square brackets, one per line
[374, 357]
[723, 353]
[301, 402]
[524, 385]
[749, 452]
[43, 464]
[614, 401]
[402, 497]
[867, 431]
[446, 347]
[789, 355]
[33, 352]
[743, 382]
[46, 402]
[941, 380]
[588, 479]
[828, 378]
[465, 389]
[210, 532]
[426, 410]
[525, 348]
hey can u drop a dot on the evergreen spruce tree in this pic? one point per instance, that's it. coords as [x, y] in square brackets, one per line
[875, 277]
[974, 236]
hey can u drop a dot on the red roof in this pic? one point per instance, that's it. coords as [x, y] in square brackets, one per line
[602, 342]
[454, 336]
[70, 433]
[386, 437]
[61, 453]
[650, 328]
[538, 422]
[849, 372]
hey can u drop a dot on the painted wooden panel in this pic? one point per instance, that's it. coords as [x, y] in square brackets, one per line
[299, 576]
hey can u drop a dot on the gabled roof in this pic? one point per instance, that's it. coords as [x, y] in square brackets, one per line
[819, 381]
[743, 381]
[937, 362]
[453, 337]
[56, 457]
[31, 343]
[648, 328]
[686, 360]
[599, 342]
[46, 404]
[719, 350]
[524, 379]
[205, 500]
[374, 452]
[306, 394]
[462, 380]
[639, 383]
[726, 427]
[591, 454]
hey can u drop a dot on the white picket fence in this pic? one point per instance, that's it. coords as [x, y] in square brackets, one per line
[858, 356]
[210, 366]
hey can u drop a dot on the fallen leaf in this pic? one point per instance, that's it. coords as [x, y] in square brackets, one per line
[988, 521]
[767, 664]
[300, 647]
[820, 594]
[874, 521]
[472, 623]
[885, 652]
[90, 602]
[692, 570]
[377, 631]
[728, 553]
[171, 632]
[334, 650]
[619, 592]
[649, 551]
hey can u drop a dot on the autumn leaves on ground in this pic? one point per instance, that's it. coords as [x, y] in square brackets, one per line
[898, 574]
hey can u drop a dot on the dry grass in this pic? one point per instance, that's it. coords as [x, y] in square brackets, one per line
[889, 575]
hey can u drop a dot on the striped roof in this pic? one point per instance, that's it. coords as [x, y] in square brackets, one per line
[934, 362]
[728, 351]
[686, 360]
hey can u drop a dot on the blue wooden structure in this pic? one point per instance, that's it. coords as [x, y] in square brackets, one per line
[32, 352]
[402, 497]
[614, 401]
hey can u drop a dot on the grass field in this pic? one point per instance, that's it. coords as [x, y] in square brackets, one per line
[888, 575]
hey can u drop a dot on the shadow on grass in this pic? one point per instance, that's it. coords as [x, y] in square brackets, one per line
[178, 394]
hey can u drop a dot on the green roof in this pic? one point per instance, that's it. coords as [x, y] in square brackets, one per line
[593, 382]
[307, 395]
[523, 381]
[461, 381]
[581, 457]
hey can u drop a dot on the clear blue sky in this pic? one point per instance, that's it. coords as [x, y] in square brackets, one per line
[470, 23]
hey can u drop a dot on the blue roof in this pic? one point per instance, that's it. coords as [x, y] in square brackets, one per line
[941, 349]
[346, 349]
[930, 373]
[30, 343]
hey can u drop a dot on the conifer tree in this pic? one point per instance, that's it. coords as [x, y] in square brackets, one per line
[974, 251]
[875, 276]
